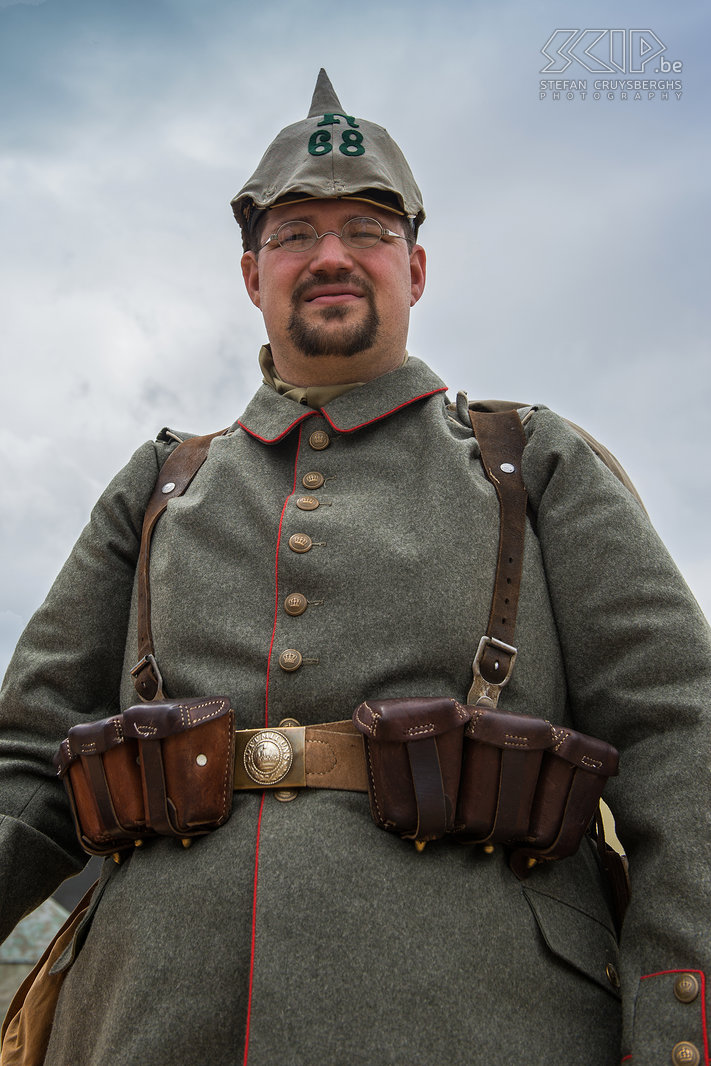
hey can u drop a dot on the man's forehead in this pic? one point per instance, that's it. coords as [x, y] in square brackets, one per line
[308, 210]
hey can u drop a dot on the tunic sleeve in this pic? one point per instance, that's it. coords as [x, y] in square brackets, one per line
[66, 668]
[637, 653]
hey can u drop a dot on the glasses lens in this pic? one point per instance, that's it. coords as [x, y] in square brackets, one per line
[296, 236]
[362, 232]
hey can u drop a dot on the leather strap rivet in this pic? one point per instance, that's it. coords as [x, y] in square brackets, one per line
[201, 760]
[168, 487]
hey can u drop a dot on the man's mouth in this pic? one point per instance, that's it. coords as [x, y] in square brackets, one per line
[324, 295]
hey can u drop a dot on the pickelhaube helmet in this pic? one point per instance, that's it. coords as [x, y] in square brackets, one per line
[330, 154]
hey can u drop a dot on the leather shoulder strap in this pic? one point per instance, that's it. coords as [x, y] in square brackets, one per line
[501, 441]
[603, 453]
[175, 475]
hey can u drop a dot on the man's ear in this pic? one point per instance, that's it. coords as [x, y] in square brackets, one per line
[418, 273]
[250, 273]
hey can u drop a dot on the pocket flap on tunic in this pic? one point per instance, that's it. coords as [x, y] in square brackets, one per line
[577, 938]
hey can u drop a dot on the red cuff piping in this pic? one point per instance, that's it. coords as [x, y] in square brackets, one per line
[702, 996]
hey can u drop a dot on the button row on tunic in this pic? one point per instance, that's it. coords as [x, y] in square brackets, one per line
[296, 603]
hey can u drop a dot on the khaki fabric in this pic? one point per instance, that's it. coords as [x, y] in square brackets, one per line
[30, 1016]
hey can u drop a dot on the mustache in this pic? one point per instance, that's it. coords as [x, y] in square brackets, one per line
[340, 277]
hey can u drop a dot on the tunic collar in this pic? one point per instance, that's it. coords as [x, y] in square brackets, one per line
[270, 417]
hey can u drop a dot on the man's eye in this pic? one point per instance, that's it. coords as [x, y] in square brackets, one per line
[294, 236]
[363, 229]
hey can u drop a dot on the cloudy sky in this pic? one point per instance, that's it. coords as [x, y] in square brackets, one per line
[567, 238]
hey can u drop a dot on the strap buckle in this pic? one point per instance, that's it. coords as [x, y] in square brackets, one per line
[146, 677]
[483, 691]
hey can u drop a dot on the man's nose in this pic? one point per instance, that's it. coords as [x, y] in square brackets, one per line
[330, 253]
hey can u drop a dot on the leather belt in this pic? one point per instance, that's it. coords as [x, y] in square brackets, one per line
[287, 756]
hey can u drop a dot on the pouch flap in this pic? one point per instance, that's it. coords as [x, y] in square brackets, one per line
[400, 721]
[89, 738]
[504, 730]
[153, 721]
[588, 753]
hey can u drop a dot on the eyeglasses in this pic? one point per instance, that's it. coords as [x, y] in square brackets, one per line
[356, 233]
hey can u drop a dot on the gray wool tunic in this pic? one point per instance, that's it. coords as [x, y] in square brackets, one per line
[299, 932]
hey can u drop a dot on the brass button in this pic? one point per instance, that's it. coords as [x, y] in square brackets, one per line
[612, 975]
[685, 1054]
[300, 543]
[295, 604]
[290, 660]
[307, 503]
[686, 988]
[313, 480]
[319, 440]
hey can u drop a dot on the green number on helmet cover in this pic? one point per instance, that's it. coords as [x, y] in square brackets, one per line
[352, 143]
[320, 143]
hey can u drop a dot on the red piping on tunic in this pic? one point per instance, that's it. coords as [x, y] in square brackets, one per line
[273, 440]
[702, 995]
[254, 933]
[352, 429]
[276, 584]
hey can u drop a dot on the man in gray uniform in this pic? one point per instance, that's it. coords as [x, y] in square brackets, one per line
[338, 545]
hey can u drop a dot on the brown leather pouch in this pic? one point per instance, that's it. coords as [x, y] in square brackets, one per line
[503, 753]
[99, 767]
[413, 758]
[186, 753]
[573, 774]
[158, 768]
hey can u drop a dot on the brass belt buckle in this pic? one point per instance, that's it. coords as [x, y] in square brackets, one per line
[270, 758]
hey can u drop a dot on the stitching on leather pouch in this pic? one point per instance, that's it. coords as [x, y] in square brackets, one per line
[145, 730]
[559, 735]
[227, 782]
[88, 747]
[515, 740]
[372, 784]
[461, 711]
[594, 763]
[188, 711]
[426, 727]
[322, 773]
[371, 728]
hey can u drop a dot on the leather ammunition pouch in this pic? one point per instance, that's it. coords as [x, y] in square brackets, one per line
[436, 767]
[159, 768]
[413, 754]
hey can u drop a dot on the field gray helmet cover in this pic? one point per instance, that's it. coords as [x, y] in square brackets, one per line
[330, 154]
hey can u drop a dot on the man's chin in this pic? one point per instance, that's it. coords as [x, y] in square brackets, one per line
[332, 336]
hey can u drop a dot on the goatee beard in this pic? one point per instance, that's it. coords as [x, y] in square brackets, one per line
[312, 340]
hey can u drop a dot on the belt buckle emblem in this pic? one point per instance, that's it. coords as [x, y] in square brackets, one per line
[268, 757]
